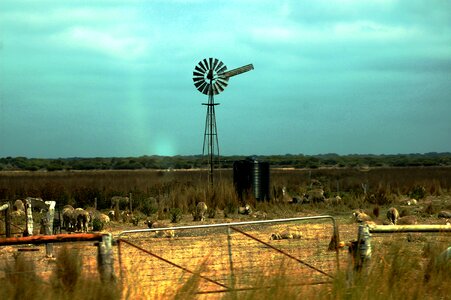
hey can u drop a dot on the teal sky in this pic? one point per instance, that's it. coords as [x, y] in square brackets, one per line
[114, 78]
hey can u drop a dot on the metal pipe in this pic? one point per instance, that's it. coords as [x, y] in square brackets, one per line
[231, 224]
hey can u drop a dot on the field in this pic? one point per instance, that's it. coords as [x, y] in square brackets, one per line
[170, 195]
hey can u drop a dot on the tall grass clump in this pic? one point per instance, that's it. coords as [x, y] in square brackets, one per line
[397, 272]
[23, 280]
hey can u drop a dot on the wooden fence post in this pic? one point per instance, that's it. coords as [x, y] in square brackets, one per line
[105, 261]
[6, 208]
[49, 226]
[363, 246]
[29, 218]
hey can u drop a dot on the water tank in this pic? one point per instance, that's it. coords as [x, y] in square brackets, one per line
[251, 178]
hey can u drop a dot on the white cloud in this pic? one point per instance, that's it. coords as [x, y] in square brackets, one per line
[108, 42]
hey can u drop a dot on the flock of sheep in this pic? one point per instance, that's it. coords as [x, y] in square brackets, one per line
[393, 217]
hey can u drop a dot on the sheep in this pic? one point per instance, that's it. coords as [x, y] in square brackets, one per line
[18, 205]
[199, 211]
[245, 210]
[69, 219]
[286, 234]
[169, 233]
[360, 216]
[333, 201]
[315, 195]
[444, 214]
[393, 215]
[83, 218]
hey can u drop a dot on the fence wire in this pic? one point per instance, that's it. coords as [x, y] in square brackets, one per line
[20, 260]
[222, 258]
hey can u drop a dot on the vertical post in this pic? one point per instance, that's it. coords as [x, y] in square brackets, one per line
[130, 200]
[229, 244]
[6, 208]
[95, 203]
[49, 226]
[8, 222]
[119, 252]
[29, 218]
[105, 262]
[363, 246]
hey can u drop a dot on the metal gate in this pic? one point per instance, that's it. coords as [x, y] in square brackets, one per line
[228, 257]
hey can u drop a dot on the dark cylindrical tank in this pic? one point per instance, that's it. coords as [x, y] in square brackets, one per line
[251, 178]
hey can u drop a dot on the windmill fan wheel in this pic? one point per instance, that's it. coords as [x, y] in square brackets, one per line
[208, 76]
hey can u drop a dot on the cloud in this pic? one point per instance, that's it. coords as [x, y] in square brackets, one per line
[115, 43]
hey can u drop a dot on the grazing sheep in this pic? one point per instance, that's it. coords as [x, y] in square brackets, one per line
[18, 205]
[333, 201]
[199, 211]
[360, 216]
[160, 233]
[69, 219]
[444, 214]
[83, 219]
[286, 234]
[103, 218]
[315, 195]
[245, 210]
[393, 215]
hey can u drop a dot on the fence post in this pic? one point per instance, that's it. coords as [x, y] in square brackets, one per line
[105, 262]
[29, 218]
[229, 244]
[49, 226]
[363, 246]
[6, 208]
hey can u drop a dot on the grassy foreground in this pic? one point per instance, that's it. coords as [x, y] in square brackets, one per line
[398, 273]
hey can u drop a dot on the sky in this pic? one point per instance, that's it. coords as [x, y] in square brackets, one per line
[104, 78]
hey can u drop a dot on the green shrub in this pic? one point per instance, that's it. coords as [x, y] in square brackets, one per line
[418, 192]
[175, 214]
[97, 225]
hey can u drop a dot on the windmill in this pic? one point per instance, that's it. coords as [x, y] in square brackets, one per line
[211, 77]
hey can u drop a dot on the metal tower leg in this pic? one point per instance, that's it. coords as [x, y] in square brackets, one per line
[211, 136]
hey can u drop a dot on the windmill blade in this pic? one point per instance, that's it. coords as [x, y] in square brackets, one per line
[197, 74]
[198, 68]
[200, 85]
[211, 63]
[219, 67]
[215, 64]
[198, 80]
[237, 71]
[206, 88]
[215, 88]
[223, 81]
[221, 70]
[218, 87]
[204, 64]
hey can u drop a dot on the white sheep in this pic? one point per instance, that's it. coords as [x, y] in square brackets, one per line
[200, 211]
[393, 215]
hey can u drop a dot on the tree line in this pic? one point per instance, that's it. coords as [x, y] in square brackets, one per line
[298, 161]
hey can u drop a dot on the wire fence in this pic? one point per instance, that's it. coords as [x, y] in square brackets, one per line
[39, 256]
[233, 256]
[415, 245]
